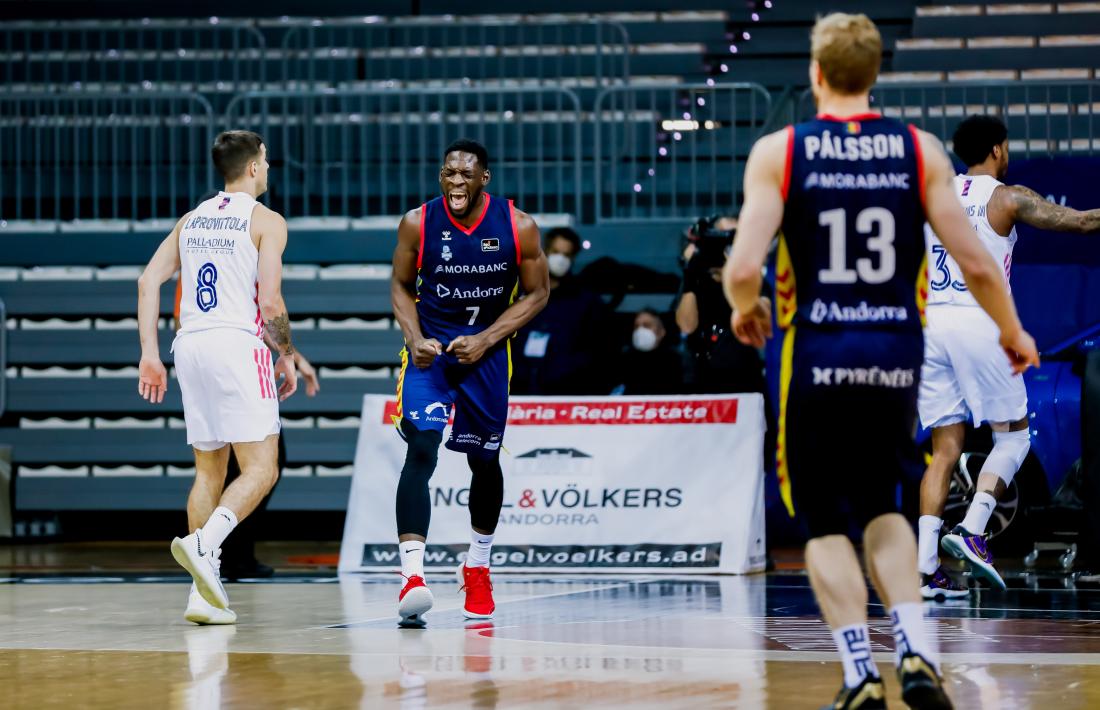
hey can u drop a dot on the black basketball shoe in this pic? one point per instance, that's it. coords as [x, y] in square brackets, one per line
[921, 685]
[868, 695]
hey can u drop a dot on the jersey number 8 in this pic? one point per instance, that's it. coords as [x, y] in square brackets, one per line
[868, 222]
[206, 296]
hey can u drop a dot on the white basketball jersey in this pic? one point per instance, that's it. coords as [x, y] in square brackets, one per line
[945, 279]
[219, 267]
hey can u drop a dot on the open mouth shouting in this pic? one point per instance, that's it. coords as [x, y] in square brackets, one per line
[458, 201]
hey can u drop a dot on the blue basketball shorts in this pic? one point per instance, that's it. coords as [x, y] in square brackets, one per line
[476, 395]
[847, 419]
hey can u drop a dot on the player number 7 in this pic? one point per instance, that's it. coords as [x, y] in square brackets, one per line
[474, 310]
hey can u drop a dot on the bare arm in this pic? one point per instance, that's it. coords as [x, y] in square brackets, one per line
[983, 275]
[152, 375]
[165, 263]
[687, 313]
[273, 237]
[1023, 204]
[760, 219]
[534, 277]
[403, 280]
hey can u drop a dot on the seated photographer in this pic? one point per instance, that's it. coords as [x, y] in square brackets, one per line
[650, 364]
[715, 362]
[563, 351]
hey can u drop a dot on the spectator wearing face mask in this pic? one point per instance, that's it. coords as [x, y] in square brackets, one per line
[650, 364]
[563, 351]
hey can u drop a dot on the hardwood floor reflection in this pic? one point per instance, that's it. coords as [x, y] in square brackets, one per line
[556, 642]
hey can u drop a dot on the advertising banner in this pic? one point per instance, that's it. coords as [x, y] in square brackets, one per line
[591, 484]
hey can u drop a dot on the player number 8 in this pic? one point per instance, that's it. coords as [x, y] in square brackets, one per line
[206, 296]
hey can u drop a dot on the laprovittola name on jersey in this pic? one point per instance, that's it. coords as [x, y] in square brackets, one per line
[851, 249]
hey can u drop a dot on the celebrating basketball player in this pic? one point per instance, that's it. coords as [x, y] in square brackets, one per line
[965, 376]
[229, 254]
[460, 262]
[851, 191]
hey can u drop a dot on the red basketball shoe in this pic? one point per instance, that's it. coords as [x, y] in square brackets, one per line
[415, 599]
[479, 592]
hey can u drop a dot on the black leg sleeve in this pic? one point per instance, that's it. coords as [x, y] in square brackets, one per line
[414, 505]
[486, 492]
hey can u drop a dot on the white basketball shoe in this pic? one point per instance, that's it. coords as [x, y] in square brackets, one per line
[202, 613]
[204, 566]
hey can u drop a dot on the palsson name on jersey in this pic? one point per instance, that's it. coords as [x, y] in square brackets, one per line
[947, 287]
[467, 276]
[852, 249]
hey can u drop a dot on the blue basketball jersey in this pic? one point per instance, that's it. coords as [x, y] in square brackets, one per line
[852, 249]
[467, 276]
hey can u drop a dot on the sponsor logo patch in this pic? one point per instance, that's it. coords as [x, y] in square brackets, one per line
[492, 244]
[833, 312]
[897, 378]
[429, 412]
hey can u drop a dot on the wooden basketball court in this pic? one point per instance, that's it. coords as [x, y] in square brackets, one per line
[77, 635]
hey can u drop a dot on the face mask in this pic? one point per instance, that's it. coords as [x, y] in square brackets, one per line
[559, 265]
[644, 339]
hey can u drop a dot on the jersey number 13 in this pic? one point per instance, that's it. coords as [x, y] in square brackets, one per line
[875, 222]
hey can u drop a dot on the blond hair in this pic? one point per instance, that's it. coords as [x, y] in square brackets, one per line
[848, 48]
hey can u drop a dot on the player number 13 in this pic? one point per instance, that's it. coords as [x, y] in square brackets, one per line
[877, 221]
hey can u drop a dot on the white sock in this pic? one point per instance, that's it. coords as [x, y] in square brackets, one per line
[217, 528]
[854, 644]
[480, 547]
[928, 543]
[412, 558]
[910, 634]
[979, 512]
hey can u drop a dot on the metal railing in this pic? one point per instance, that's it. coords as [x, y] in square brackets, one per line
[675, 150]
[654, 151]
[72, 156]
[1043, 118]
[379, 151]
[221, 55]
[408, 53]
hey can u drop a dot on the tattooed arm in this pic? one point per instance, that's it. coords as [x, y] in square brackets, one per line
[271, 230]
[1027, 206]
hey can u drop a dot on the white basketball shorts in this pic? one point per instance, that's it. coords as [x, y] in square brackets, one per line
[227, 380]
[966, 374]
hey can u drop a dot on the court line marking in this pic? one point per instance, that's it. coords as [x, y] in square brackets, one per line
[393, 617]
[962, 657]
[950, 607]
[887, 658]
